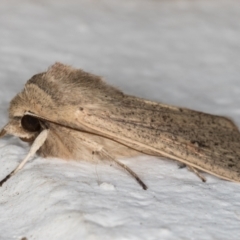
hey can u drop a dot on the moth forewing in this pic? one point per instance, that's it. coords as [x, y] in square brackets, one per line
[206, 142]
[85, 115]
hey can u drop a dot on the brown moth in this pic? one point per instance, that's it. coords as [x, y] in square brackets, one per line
[70, 114]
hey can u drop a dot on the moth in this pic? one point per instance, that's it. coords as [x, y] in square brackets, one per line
[71, 114]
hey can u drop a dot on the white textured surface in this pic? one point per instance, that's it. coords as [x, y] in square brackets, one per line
[184, 53]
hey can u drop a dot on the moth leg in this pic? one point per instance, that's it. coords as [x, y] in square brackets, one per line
[93, 156]
[197, 173]
[97, 148]
[105, 154]
[35, 146]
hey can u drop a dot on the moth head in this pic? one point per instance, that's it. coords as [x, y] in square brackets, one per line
[21, 123]
[26, 127]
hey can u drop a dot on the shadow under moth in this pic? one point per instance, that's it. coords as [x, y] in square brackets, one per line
[71, 114]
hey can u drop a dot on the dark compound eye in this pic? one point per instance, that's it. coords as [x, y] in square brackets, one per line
[30, 123]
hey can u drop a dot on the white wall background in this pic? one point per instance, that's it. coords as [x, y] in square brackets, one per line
[184, 53]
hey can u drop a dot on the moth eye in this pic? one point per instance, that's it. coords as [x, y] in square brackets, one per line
[30, 123]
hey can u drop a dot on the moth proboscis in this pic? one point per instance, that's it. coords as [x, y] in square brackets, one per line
[71, 114]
